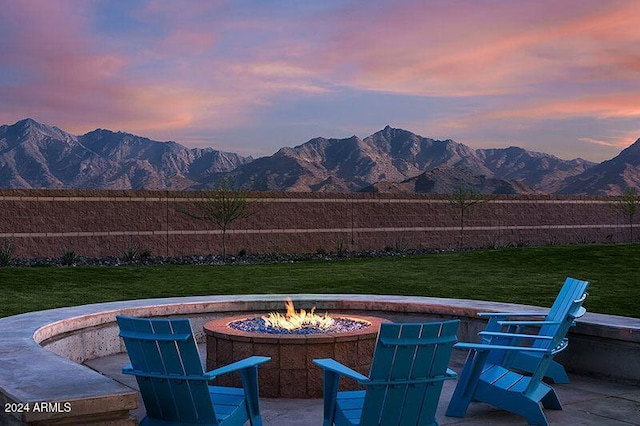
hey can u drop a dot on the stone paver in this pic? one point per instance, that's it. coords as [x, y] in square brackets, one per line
[586, 401]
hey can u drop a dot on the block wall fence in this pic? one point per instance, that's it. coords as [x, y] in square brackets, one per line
[47, 223]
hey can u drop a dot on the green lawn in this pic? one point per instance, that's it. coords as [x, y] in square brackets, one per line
[531, 275]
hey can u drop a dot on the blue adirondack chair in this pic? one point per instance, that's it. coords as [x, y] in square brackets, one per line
[500, 386]
[572, 289]
[403, 388]
[165, 360]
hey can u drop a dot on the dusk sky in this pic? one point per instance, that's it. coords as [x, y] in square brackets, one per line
[558, 76]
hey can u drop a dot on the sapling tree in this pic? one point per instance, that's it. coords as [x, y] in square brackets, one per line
[222, 207]
[461, 200]
[627, 203]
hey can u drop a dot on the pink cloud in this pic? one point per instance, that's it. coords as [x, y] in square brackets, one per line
[480, 48]
[517, 117]
[58, 66]
[536, 60]
[47, 47]
[619, 142]
[208, 66]
[187, 43]
[71, 78]
[614, 105]
[178, 14]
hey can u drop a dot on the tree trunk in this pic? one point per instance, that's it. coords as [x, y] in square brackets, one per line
[461, 229]
[224, 244]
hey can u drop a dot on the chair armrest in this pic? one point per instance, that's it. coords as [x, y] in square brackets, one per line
[511, 314]
[252, 361]
[336, 367]
[489, 347]
[515, 335]
[451, 374]
[529, 322]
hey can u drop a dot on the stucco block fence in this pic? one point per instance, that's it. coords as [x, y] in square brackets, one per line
[48, 223]
[41, 353]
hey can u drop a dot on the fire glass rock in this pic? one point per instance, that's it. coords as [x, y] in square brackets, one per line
[258, 325]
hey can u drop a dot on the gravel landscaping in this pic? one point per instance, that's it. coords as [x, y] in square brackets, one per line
[248, 259]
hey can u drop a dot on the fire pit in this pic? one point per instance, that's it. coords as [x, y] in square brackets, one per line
[292, 341]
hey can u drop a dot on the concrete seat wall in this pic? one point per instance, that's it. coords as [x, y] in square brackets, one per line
[41, 353]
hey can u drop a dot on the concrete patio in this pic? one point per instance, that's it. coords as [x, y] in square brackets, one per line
[586, 401]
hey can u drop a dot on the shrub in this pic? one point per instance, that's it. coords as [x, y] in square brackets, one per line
[584, 239]
[6, 252]
[69, 258]
[134, 253]
[400, 246]
[145, 253]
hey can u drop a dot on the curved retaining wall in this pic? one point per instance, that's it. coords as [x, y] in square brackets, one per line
[41, 352]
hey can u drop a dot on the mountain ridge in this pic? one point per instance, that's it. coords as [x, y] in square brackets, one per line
[36, 155]
[447, 180]
[394, 155]
[614, 175]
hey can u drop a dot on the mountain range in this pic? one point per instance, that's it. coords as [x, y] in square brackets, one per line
[36, 155]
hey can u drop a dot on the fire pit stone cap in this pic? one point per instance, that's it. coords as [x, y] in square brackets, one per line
[219, 328]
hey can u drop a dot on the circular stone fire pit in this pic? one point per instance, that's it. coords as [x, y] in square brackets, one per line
[291, 372]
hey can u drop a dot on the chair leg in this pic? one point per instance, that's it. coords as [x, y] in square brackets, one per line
[551, 401]
[557, 373]
[249, 378]
[532, 411]
[331, 381]
[467, 382]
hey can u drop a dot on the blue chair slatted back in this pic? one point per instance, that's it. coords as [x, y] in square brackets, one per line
[165, 360]
[407, 372]
[571, 291]
[574, 310]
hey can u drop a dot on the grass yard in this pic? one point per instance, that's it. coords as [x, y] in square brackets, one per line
[530, 275]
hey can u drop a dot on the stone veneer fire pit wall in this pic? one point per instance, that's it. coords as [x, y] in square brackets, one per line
[291, 372]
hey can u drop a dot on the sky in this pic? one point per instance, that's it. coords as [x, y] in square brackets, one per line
[556, 76]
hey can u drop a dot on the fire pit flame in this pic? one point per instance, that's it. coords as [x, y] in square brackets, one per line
[293, 320]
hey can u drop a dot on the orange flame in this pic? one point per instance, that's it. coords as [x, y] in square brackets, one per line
[293, 320]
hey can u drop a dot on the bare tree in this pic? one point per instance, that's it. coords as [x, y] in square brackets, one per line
[628, 203]
[224, 206]
[461, 200]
